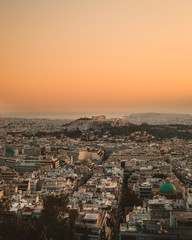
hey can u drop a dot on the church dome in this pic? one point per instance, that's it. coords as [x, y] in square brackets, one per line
[167, 188]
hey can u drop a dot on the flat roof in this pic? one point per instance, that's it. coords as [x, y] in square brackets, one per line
[91, 216]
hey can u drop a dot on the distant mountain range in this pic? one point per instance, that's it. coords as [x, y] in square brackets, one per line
[159, 118]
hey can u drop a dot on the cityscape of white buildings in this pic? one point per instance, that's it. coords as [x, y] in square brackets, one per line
[92, 170]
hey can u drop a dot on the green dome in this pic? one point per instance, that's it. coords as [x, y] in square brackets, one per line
[167, 188]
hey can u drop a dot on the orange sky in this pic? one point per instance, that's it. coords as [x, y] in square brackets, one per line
[81, 55]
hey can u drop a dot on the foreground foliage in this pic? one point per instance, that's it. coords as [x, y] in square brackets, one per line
[55, 222]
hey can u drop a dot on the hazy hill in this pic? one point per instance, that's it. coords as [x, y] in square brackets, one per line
[159, 118]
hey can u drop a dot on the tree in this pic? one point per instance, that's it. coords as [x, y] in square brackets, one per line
[56, 218]
[130, 199]
[73, 214]
[56, 222]
[17, 227]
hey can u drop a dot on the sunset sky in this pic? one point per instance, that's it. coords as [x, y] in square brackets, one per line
[86, 55]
